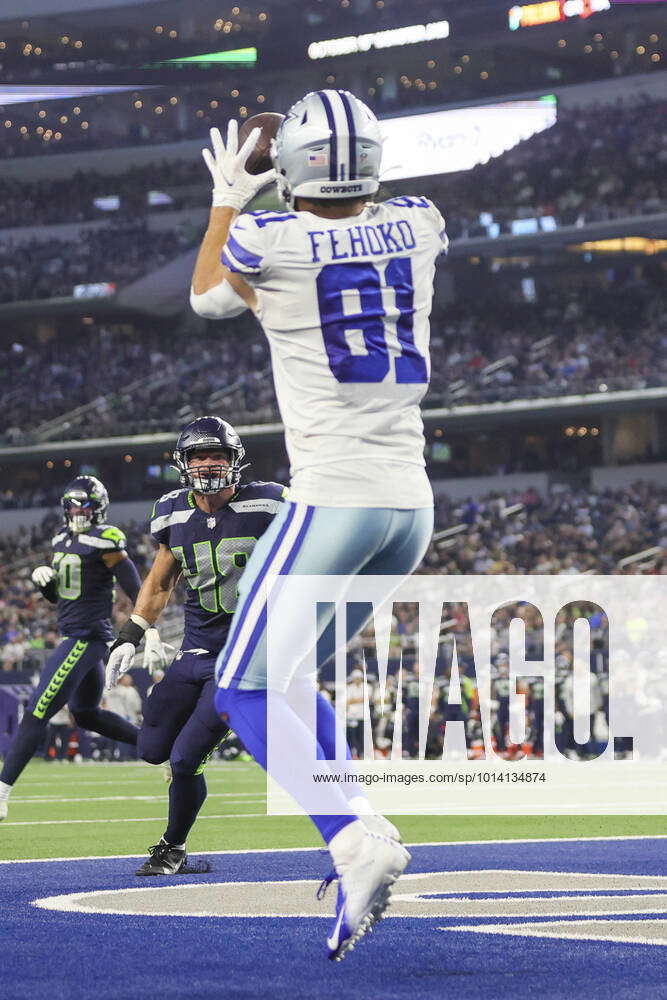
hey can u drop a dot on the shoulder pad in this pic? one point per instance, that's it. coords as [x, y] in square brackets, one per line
[58, 538]
[410, 201]
[103, 537]
[174, 500]
[172, 508]
[112, 534]
[260, 489]
[263, 217]
[258, 498]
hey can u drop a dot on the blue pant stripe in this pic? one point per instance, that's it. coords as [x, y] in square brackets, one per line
[289, 562]
[231, 641]
[262, 619]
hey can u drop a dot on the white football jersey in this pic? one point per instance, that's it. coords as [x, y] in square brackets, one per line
[345, 306]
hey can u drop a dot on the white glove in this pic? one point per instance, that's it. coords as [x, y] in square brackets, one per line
[233, 186]
[156, 652]
[42, 576]
[119, 662]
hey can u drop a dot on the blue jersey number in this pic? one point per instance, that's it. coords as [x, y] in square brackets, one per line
[364, 279]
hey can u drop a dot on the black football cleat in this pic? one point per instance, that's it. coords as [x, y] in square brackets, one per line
[164, 859]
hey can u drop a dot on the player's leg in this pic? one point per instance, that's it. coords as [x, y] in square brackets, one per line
[61, 673]
[407, 537]
[84, 704]
[192, 749]
[296, 542]
[167, 709]
[314, 541]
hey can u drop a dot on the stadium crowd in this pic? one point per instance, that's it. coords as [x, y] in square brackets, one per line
[167, 371]
[72, 199]
[120, 254]
[593, 164]
[568, 342]
[498, 347]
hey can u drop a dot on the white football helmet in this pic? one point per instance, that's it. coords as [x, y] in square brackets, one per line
[329, 146]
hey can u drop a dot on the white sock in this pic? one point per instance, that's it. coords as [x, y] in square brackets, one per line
[344, 846]
[179, 847]
[360, 805]
[5, 789]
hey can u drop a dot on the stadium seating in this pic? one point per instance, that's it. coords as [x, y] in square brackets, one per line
[593, 164]
[488, 349]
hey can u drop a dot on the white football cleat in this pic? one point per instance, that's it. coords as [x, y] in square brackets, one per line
[3, 809]
[376, 823]
[364, 888]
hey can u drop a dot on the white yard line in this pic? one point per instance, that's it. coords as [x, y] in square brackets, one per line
[134, 819]
[56, 800]
[120, 780]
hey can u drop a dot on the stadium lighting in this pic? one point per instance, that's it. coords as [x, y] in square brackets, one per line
[410, 35]
[623, 244]
[27, 95]
[443, 142]
[529, 15]
[230, 57]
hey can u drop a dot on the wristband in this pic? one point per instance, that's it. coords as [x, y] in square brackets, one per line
[130, 632]
[141, 622]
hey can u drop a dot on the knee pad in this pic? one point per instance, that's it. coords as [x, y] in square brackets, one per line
[184, 764]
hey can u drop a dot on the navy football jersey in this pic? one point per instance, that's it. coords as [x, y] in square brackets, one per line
[85, 584]
[212, 551]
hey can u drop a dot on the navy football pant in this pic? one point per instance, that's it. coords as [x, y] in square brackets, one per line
[181, 725]
[73, 675]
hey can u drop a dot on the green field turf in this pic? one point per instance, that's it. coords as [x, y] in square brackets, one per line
[69, 810]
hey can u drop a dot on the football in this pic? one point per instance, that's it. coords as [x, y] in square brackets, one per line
[260, 158]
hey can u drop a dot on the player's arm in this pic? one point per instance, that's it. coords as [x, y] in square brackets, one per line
[150, 603]
[158, 585]
[216, 290]
[125, 572]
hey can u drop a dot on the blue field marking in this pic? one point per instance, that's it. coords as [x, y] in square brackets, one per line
[52, 954]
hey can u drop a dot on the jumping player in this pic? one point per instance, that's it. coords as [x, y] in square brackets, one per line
[206, 532]
[88, 557]
[343, 289]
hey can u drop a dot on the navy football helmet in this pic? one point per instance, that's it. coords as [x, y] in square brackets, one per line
[209, 433]
[85, 503]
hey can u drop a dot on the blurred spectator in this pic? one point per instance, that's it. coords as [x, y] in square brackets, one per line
[57, 735]
[356, 701]
[573, 342]
[50, 268]
[596, 163]
[124, 700]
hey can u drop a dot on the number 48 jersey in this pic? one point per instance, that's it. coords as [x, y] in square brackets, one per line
[212, 551]
[345, 306]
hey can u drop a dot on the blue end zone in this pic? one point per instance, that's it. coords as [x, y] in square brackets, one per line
[51, 954]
